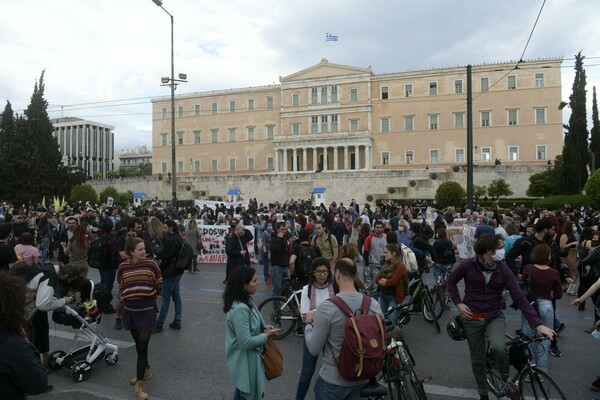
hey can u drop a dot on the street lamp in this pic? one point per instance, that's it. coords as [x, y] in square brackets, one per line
[172, 82]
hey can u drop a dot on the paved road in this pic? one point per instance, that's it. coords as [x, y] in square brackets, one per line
[190, 364]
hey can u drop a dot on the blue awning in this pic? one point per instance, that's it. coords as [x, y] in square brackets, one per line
[234, 191]
[319, 190]
[140, 195]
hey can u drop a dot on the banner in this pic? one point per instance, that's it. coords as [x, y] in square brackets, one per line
[466, 242]
[213, 239]
[215, 204]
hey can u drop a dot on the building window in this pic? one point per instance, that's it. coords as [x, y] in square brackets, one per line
[434, 156]
[433, 121]
[540, 115]
[163, 166]
[539, 79]
[485, 84]
[250, 132]
[214, 165]
[196, 137]
[409, 156]
[314, 124]
[163, 112]
[540, 152]
[295, 128]
[197, 110]
[353, 94]
[214, 134]
[214, 108]
[433, 88]
[324, 95]
[179, 111]
[232, 134]
[459, 155]
[354, 125]
[250, 104]
[270, 163]
[513, 153]
[458, 86]
[408, 90]
[513, 116]
[384, 92]
[511, 81]
[232, 106]
[409, 123]
[251, 164]
[459, 120]
[334, 123]
[486, 154]
[179, 166]
[384, 124]
[270, 102]
[179, 137]
[197, 165]
[295, 99]
[270, 131]
[232, 164]
[485, 117]
[163, 139]
[334, 94]
[324, 123]
[314, 92]
[385, 158]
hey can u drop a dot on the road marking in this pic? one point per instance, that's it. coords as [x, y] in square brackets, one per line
[69, 335]
[451, 392]
[199, 322]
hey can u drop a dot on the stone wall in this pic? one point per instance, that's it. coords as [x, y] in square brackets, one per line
[340, 185]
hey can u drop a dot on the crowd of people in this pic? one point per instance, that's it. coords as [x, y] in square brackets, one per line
[323, 250]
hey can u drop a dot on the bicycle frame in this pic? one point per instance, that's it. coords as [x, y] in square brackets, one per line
[293, 296]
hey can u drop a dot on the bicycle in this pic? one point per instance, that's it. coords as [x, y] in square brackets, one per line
[533, 383]
[439, 292]
[282, 312]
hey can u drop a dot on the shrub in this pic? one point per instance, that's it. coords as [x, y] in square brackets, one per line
[450, 193]
[110, 191]
[84, 193]
[556, 202]
[592, 186]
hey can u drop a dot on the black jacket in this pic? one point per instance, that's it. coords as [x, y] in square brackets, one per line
[171, 251]
[234, 245]
[279, 251]
[524, 246]
[21, 370]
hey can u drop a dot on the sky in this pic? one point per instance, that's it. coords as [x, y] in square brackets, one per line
[103, 59]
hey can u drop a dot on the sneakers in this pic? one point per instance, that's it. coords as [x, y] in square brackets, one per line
[174, 325]
[147, 375]
[157, 329]
[561, 327]
[556, 352]
[511, 391]
[595, 386]
[118, 324]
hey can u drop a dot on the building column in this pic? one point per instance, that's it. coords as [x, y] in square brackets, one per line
[324, 158]
[357, 157]
[335, 158]
[345, 157]
[304, 160]
[285, 162]
[367, 157]
[315, 164]
[276, 161]
[294, 160]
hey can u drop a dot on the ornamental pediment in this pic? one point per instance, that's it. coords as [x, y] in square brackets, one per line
[325, 69]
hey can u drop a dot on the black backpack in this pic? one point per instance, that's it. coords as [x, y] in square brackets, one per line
[98, 255]
[158, 247]
[306, 255]
[184, 260]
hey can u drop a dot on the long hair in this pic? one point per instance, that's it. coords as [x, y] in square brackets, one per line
[349, 250]
[80, 235]
[365, 230]
[13, 295]
[192, 224]
[442, 235]
[155, 228]
[394, 248]
[43, 222]
[235, 290]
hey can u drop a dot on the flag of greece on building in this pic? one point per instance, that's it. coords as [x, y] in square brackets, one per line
[331, 38]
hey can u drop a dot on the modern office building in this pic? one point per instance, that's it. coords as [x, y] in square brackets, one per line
[133, 158]
[86, 144]
[332, 117]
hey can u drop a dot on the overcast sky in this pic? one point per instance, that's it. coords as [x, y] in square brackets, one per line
[112, 53]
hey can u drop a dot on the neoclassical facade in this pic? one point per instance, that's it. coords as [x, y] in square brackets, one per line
[332, 117]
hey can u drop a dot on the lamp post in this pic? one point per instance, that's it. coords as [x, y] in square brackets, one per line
[172, 82]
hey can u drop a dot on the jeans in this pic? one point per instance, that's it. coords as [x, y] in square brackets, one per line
[265, 260]
[170, 290]
[107, 277]
[439, 270]
[476, 332]
[278, 274]
[540, 350]
[309, 364]
[386, 301]
[45, 248]
[237, 395]
[328, 391]
[371, 273]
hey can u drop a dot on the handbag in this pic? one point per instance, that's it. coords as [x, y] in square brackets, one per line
[591, 271]
[272, 360]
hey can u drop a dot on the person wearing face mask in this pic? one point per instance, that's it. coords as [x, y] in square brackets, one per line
[480, 309]
[404, 234]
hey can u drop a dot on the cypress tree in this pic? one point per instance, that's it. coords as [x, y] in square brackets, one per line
[595, 133]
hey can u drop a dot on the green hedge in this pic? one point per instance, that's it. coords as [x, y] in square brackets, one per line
[508, 203]
[556, 202]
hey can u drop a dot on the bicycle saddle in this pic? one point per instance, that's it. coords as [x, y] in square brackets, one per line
[373, 389]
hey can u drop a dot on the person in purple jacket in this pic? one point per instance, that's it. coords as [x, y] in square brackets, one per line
[481, 309]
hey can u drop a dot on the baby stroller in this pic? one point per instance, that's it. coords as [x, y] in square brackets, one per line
[84, 318]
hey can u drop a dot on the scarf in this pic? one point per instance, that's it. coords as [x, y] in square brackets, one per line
[388, 269]
[313, 293]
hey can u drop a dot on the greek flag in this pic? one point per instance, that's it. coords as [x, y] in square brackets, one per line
[331, 38]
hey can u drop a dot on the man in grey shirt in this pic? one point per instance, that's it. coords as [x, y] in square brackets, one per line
[324, 331]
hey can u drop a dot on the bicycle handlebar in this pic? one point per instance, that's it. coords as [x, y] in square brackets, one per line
[524, 339]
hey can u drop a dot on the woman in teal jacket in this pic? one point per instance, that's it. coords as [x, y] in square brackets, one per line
[245, 335]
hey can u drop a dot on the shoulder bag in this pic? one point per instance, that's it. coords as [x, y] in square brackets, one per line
[272, 360]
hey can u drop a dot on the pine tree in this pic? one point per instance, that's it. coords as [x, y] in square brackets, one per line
[575, 149]
[8, 134]
[595, 134]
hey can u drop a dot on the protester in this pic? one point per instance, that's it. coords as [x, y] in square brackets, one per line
[392, 280]
[77, 250]
[26, 251]
[194, 237]
[236, 248]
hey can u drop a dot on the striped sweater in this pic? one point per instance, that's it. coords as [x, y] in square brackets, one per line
[139, 281]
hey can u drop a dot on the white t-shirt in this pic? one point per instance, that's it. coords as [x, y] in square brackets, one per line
[322, 295]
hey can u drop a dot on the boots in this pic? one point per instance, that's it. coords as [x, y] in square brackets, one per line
[139, 391]
[147, 375]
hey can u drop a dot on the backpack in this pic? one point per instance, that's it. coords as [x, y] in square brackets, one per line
[363, 349]
[184, 260]
[306, 255]
[158, 247]
[448, 256]
[98, 254]
[426, 231]
[409, 258]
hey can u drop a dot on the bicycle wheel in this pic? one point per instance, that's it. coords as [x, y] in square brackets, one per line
[438, 301]
[411, 387]
[286, 290]
[429, 311]
[283, 316]
[494, 377]
[392, 377]
[536, 384]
